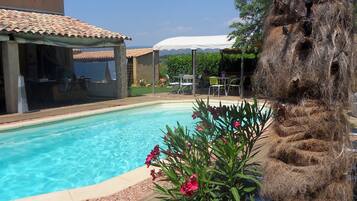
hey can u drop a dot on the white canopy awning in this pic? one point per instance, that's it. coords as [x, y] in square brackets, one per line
[195, 42]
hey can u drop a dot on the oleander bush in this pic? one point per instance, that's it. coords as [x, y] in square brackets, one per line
[215, 161]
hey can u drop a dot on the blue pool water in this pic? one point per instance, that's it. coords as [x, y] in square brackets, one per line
[81, 152]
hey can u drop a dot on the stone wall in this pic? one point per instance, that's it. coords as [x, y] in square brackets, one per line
[143, 69]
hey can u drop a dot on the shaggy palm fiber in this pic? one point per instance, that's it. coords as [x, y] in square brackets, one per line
[306, 66]
[308, 160]
[354, 177]
[313, 58]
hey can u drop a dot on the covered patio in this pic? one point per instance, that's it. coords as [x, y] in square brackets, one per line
[195, 43]
[36, 63]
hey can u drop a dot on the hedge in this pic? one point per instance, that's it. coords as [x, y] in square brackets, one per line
[174, 65]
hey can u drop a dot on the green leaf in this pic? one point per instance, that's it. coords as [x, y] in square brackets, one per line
[215, 182]
[249, 178]
[161, 189]
[235, 194]
[249, 189]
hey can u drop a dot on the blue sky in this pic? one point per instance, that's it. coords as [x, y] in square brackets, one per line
[150, 21]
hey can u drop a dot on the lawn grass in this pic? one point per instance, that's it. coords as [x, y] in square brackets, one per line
[140, 91]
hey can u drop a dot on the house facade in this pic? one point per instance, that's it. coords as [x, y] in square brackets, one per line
[44, 6]
[36, 64]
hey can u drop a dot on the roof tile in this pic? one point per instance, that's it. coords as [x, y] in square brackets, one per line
[108, 55]
[50, 24]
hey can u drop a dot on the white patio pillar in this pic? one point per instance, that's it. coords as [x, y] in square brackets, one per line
[121, 71]
[155, 68]
[153, 72]
[11, 67]
[194, 72]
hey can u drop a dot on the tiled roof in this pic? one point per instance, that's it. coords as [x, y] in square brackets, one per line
[13, 21]
[108, 55]
[138, 52]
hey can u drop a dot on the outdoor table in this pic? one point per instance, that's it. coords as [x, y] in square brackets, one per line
[185, 82]
[179, 77]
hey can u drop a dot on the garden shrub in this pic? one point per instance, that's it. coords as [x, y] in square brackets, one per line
[215, 161]
[163, 71]
[182, 64]
[209, 63]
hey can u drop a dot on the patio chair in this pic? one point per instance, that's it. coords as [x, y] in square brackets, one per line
[214, 84]
[173, 83]
[187, 82]
[234, 83]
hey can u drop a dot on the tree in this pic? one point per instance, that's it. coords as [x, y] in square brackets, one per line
[306, 68]
[248, 30]
[355, 16]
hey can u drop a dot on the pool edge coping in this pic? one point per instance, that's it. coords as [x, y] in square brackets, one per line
[82, 114]
[107, 187]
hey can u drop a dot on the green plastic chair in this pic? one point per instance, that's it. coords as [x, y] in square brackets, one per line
[213, 81]
[214, 84]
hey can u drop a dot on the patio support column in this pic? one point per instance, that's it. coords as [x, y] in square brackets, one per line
[135, 70]
[194, 72]
[153, 71]
[11, 68]
[121, 71]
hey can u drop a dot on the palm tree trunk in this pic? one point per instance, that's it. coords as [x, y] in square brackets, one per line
[308, 160]
[306, 67]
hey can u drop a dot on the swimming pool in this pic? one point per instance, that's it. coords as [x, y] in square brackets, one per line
[85, 151]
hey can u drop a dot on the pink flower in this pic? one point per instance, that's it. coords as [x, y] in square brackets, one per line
[214, 112]
[236, 124]
[195, 115]
[148, 160]
[156, 150]
[199, 128]
[190, 186]
[155, 174]
[154, 154]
